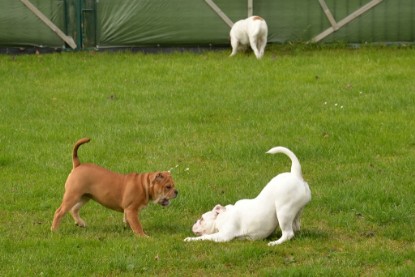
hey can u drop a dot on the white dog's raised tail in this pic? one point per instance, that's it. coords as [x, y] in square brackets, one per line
[295, 166]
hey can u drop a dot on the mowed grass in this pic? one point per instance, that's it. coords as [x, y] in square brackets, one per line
[348, 114]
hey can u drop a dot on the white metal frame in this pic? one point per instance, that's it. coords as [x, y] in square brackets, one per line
[69, 40]
[338, 25]
[223, 16]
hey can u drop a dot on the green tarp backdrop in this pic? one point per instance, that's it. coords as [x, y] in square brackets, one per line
[151, 23]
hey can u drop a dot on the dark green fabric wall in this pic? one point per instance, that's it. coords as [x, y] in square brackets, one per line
[118, 23]
[20, 27]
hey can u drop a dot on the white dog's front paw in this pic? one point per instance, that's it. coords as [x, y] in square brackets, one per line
[190, 239]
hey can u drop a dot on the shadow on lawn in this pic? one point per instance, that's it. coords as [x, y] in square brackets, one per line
[303, 235]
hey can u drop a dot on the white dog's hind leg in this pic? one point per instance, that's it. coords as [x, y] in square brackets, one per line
[285, 236]
[297, 222]
[285, 219]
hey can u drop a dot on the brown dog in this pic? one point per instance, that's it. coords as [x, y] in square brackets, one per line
[124, 193]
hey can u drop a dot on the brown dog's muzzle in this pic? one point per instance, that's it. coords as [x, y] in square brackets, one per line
[166, 201]
[165, 188]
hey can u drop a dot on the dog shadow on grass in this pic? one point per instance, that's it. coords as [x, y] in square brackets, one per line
[309, 234]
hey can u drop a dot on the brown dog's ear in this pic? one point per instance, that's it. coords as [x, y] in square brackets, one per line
[159, 176]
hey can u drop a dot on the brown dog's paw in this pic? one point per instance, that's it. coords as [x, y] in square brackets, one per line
[80, 224]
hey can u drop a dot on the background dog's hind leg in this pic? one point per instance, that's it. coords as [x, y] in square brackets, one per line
[235, 45]
[253, 41]
[261, 46]
[75, 212]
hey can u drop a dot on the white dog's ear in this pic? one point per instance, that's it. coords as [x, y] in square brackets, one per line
[219, 209]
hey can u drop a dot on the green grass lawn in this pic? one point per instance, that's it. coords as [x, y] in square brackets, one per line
[348, 114]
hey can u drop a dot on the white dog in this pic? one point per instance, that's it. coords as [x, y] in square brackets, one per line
[252, 31]
[280, 202]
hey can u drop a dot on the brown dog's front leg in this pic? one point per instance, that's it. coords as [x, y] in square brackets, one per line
[132, 219]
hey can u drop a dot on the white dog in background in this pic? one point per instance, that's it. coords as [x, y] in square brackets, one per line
[252, 31]
[280, 202]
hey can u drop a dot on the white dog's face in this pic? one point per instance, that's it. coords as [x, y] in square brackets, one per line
[207, 223]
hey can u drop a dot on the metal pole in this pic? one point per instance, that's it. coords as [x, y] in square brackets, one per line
[250, 8]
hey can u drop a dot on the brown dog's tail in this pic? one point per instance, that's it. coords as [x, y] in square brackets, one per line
[75, 159]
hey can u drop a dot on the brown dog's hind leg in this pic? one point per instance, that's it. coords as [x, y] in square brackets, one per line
[75, 212]
[124, 219]
[131, 217]
[57, 219]
[60, 212]
[67, 204]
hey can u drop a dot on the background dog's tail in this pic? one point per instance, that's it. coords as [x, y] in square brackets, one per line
[295, 166]
[75, 159]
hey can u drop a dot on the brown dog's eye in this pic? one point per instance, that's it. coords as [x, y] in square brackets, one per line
[168, 187]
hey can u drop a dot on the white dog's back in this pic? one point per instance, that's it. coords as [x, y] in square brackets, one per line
[257, 27]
